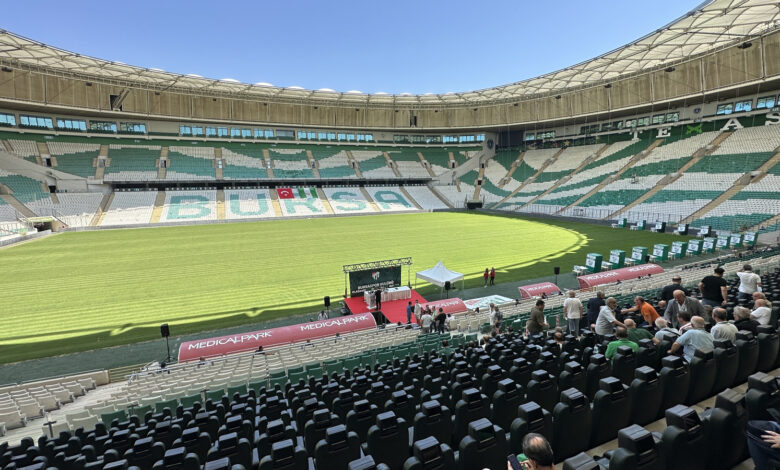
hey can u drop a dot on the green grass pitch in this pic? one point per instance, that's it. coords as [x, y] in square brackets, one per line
[81, 291]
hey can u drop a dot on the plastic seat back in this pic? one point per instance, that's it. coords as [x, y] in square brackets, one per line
[571, 424]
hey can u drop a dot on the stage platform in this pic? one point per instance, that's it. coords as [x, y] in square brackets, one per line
[394, 310]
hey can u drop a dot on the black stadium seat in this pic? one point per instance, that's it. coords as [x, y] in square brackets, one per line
[484, 447]
[726, 363]
[611, 410]
[646, 396]
[388, 440]
[703, 374]
[684, 441]
[571, 424]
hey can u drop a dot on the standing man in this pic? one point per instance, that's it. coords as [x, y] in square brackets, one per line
[378, 298]
[441, 319]
[714, 289]
[427, 321]
[667, 293]
[492, 276]
[417, 310]
[485, 276]
[409, 310]
[723, 329]
[572, 313]
[537, 323]
[496, 319]
[681, 303]
[749, 282]
[594, 307]
[323, 315]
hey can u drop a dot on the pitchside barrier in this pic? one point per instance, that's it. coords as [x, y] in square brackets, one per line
[274, 337]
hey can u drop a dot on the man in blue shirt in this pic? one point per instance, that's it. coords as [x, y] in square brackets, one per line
[594, 307]
[694, 338]
[409, 309]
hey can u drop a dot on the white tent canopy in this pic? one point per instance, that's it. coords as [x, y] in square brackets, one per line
[439, 275]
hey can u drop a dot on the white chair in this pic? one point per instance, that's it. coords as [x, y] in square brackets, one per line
[87, 423]
[30, 408]
[13, 419]
[56, 429]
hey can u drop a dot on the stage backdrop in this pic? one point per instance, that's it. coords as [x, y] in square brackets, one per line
[372, 279]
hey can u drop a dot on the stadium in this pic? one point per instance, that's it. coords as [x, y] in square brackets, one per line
[206, 273]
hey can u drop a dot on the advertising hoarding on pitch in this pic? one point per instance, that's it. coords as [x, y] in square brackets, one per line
[623, 274]
[229, 344]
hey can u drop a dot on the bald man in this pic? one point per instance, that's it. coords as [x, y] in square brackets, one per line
[696, 338]
[681, 303]
[636, 334]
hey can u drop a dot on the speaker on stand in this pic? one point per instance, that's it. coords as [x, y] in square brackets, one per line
[326, 301]
[165, 332]
[447, 287]
[556, 270]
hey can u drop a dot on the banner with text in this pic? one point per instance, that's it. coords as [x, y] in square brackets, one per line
[218, 346]
[536, 290]
[373, 279]
[454, 305]
[622, 274]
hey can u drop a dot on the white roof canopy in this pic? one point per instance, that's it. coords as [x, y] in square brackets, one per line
[712, 25]
[439, 275]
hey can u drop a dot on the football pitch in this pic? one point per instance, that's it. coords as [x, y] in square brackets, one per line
[85, 290]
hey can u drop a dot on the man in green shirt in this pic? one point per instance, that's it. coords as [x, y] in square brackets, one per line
[537, 323]
[636, 334]
[622, 340]
[445, 350]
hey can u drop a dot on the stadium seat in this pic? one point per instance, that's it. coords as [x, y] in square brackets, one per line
[145, 452]
[542, 390]
[429, 454]
[611, 410]
[177, 459]
[285, 455]
[572, 376]
[337, 449]
[675, 380]
[483, 447]
[237, 449]
[727, 361]
[520, 371]
[728, 418]
[314, 429]
[624, 364]
[646, 396]
[506, 401]
[637, 449]
[598, 368]
[763, 397]
[531, 418]
[684, 441]
[275, 432]
[388, 440]
[433, 420]
[748, 356]
[703, 369]
[402, 405]
[768, 346]
[571, 424]
[361, 418]
[472, 406]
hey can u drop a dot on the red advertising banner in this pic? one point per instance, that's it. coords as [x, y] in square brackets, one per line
[622, 274]
[536, 290]
[454, 305]
[274, 337]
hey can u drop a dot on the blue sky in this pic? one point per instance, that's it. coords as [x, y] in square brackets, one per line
[393, 46]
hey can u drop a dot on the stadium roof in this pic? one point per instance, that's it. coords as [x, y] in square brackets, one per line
[713, 25]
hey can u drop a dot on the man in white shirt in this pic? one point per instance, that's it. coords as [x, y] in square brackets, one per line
[427, 320]
[763, 313]
[417, 310]
[606, 322]
[749, 282]
[323, 315]
[572, 312]
[723, 329]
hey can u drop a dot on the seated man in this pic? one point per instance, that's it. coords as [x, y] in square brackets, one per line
[695, 338]
[663, 328]
[684, 321]
[763, 313]
[636, 334]
[723, 329]
[538, 451]
[763, 440]
[743, 321]
[622, 340]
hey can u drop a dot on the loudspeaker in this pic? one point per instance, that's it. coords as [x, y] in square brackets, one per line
[326, 300]
[164, 331]
[647, 258]
[557, 270]
[447, 285]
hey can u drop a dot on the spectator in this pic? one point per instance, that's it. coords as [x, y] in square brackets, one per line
[203, 362]
[743, 321]
[761, 295]
[667, 293]
[417, 310]
[441, 319]
[343, 309]
[749, 282]
[684, 321]
[537, 322]
[663, 330]
[695, 338]
[538, 451]
[622, 340]
[606, 321]
[558, 338]
[594, 307]
[681, 303]
[723, 329]
[636, 334]
[496, 319]
[648, 312]
[492, 276]
[763, 440]
[323, 315]
[714, 289]
[486, 276]
[572, 313]
[445, 350]
[762, 314]
[427, 320]
[409, 310]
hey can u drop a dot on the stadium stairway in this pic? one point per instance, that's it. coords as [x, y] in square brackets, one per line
[21, 208]
[323, 197]
[426, 164]
[478, 187]
[391, 164]
[275, 200]
[634, 160]
[220, 204]
[737, 187]
[668, 179]
[100, 171]
[438, 194]
[162, 171]
[532, 178]
[563, 181]
[354, 164]
[315, 169]
[269, 165]
[369, 199]
[100, 214]
[159, 203]
[7, 146]
[410, 198]
[217, 168]
[511, 171]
